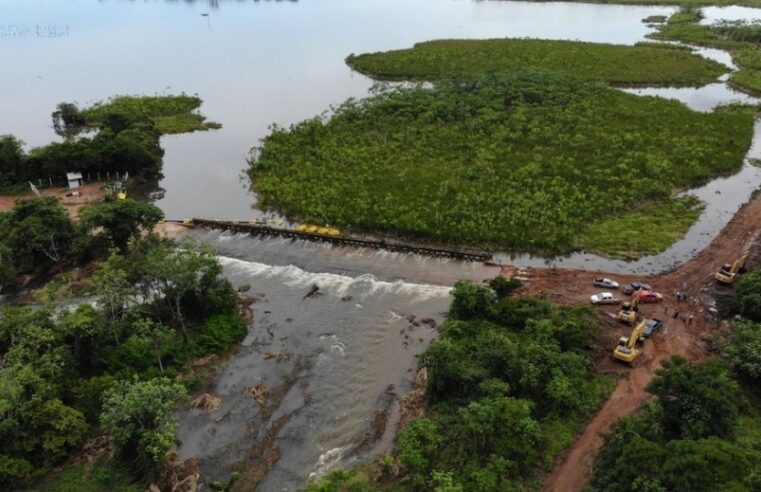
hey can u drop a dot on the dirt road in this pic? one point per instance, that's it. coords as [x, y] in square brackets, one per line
[679, 336]
[86, 194]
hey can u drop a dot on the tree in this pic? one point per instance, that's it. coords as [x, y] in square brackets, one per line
[173, 274]
[121, 220]
[501, 426]
[704, 465]
[418, 446]
[698, 400]
[504, 287]
[748, 295]
[744, 350]
[67, 118]
[38, 231]
[112, 285]
[85, 331]
[7, 270]
[156, 333]
[140, 416]
[470, 301]
[11, 160]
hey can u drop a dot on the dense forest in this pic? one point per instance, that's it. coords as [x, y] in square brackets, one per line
[118, 136]
[118, 359]
[525, 161]
[702, 432]
[648, 64]
[509, 384]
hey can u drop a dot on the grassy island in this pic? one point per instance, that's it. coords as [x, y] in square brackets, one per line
[170, 114]
[646, 64]
[529, 161]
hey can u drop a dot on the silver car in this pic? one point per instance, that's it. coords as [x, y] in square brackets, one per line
[605, 282]
[604, 298]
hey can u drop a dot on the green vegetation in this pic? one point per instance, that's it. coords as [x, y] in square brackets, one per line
[526, 161]
[170, 114]
[120, 221]
[38, 234]
[140, 415]
[101, 477]
[646, 231]
[699, 434]
[748, 295]
[127, 136]
[655, 19]
[67, 372]
[509, 384]
[740, 38]
[646, 64]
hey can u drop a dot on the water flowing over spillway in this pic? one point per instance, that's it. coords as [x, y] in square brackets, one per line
[330, 363]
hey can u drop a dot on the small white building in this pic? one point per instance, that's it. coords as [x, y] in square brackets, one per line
[74, 179]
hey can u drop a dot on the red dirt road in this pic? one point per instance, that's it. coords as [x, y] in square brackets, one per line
[89, 193]
[679, 336]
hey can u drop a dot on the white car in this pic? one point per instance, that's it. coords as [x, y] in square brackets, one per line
[605, 282]
[604, 298]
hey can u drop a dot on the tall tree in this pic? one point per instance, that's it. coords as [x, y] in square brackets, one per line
[698, 400]
[38, 231]
[140, 416]
[121, 220]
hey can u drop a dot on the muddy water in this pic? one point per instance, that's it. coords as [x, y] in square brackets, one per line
[332, 363]
[253, 63]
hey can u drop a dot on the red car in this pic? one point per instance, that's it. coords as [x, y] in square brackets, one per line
[650, 296]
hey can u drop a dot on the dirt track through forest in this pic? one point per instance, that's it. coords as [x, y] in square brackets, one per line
[678, 336]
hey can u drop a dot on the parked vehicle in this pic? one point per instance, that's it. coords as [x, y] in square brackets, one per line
[604, 298]
[651, 326]
[605, 282]
[635, 286]
[650, 296]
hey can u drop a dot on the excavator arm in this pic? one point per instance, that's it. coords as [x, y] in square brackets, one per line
[727, 275]
[628, 311]
[627, 350]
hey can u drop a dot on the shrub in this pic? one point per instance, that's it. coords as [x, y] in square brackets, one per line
[220, 331]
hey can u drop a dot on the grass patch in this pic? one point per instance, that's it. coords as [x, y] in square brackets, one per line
[645, 231]
[615, 64]
[171, 114]
[524, 162]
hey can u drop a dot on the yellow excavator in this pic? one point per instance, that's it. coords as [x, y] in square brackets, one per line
[728, 273]
[627, 350]
[629, 310]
